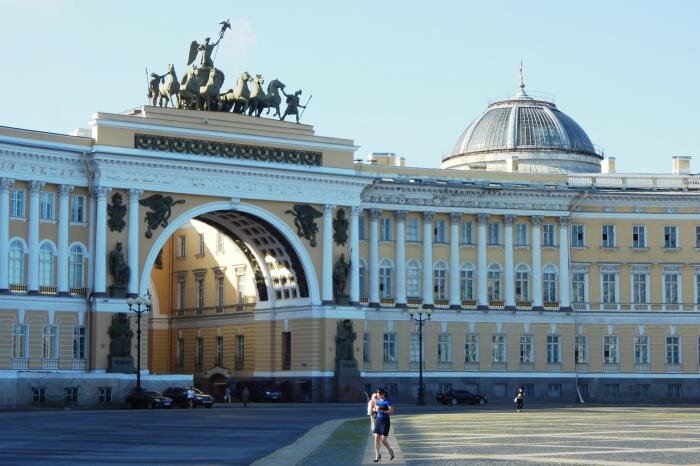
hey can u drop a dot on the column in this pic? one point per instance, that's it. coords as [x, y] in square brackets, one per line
[355, 255]
[564, 300]
[5, 185]
[63, 225]
[509, 272]
[427, 260]
[133, 240]
[482, 277]
[374, 258]
[100, 287]
[455, 298]
[537, 263]
[327, 290]
[35, 188]
[401, 258]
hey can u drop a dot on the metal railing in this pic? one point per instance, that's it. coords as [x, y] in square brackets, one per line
[471, 366]
[527, 366]
[499, 366]
[79, 364]
[611, 367]
[213, 310]
[642, 367]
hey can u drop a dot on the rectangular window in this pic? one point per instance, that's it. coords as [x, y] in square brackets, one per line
[578, 240]
[671, 288]
[220, 291]
[220, 351]
[219, 242]
[361, 227]
[199, 353]
[17, 203]
[494, 233]
[414, 355]
[389, 347]
[608, 236]
[578, 287]
[609, 292]
[527, 349]
[412, 231]
[240, 352]
[581, 349]
[553, 350]
[47, 205]
[643, 390]
[366, 347]
[471, 347]
[104, 395]
[697, 237]
[521, 234]
[50, 342]
[641, 349]
[385, 229]
[77, 208]
[610, 349]
[612, 390]
[20, 334]
[444, 347]
[180, 352]
[468, 233]
[673, 390]
[673, 350]
[548, 235]
[286, 351]
[181, 294]
[554, 390]
[639, 288]
[200, 245]
[440, 231]
[639, 236]
[38, 395]
[670, 237]
[71, 395]
[200, 294]
[181, 246]
[79, 341]
[499, 348]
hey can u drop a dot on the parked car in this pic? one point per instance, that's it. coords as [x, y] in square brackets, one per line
[179, 397]
[147, 399]
[461, 396]
[259, 391]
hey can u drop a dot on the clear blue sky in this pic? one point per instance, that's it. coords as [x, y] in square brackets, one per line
[387, 74]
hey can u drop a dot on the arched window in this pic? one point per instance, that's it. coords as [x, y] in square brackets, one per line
[385, 284]
[522, 283]
[46, 264]
[549, 283]
[16, 262]
[440, 280]
[75, 267]
[494, 282]
[363, 279]
[413, 279]
[466, 282]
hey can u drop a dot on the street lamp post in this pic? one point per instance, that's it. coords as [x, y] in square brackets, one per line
[421, 317]
[139, 305]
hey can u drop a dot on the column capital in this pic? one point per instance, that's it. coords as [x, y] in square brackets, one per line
[135, 194]
[64, 190]
[355, 211]
[35, 187]
[328, 209]
[428, 216]
[537, 220]
[6, 184]
[400, 215]
[374, 214]
[481, 219]
[564, 221]
[455, 217]
[508, 219]
[100, 192]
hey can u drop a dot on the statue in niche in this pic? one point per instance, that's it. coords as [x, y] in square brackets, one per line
[120, 336]
[340, 228]
[344, 341]
[117, 266]
[161, 210]
[340, 278]
[304, 220]
[116, 212]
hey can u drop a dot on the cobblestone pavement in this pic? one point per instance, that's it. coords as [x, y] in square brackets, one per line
[603, 435]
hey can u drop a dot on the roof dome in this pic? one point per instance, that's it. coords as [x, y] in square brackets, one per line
[524, 134]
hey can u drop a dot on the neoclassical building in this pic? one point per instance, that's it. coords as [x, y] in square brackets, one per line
[539, 264]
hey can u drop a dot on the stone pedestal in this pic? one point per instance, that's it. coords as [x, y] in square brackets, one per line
[121, 364]
[348, 383]
[117, 291]
[342, 300]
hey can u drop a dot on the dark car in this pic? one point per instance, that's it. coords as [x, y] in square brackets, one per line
[259, 391]
[461, 396]
[147, 399]
[179, 396]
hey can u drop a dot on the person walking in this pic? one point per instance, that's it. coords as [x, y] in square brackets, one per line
[519, 398]
[190, 397]
[245, 395]
[371, 404]
[227, 394]
[382, 423]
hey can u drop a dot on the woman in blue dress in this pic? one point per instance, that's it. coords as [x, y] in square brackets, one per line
[382, 423]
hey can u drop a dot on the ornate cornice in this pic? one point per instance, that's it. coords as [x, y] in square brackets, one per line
[58, 168]
[226, 149]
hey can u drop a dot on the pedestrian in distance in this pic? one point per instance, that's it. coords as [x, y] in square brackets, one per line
[382, 423]
[190, 397]
[245, 395]
[227, 394]
[371, 404]
[519, 398]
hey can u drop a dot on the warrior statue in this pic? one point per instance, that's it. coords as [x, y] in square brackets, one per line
[292, 105]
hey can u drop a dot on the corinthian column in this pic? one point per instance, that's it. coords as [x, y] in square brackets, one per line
[482, 283]
[35, 188]
[133, 239]
[374, 258]
[455, 298]
[564, 300]
[537, 263]
[355, 255]
[428, 260]
[509, 272]
[63, 217]
[5, 185]
[100, 287]
[401, 258]
[327, 290]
